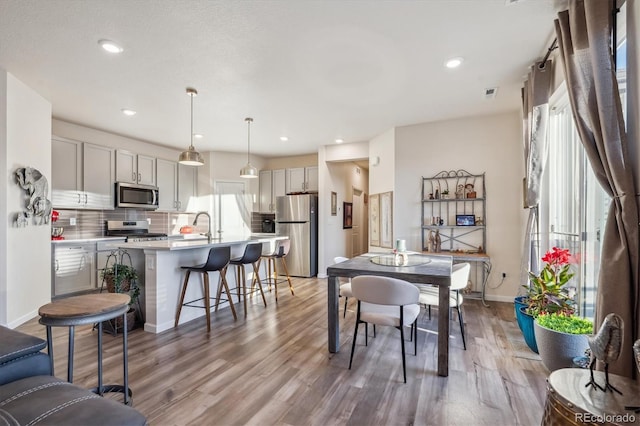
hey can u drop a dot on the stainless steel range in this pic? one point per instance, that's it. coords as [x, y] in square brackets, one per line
[132, 230]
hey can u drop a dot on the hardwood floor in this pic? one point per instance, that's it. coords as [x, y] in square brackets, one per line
[274, 368]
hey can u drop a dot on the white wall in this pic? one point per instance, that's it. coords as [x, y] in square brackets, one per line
[25, 141]
[490, 144]
[382, 176]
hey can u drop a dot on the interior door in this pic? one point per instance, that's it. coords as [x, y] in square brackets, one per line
[232, 215]
[356, 230]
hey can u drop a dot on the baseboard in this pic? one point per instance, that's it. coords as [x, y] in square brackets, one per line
[18, 322]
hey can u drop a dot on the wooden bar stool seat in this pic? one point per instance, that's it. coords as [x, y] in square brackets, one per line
[217, 260]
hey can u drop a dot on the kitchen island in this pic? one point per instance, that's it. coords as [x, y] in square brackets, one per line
[163, 276]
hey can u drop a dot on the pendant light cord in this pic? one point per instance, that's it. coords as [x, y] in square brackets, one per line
[248, 120]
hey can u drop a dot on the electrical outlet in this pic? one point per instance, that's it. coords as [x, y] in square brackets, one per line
[72, 221]
[504, 275]
[149, 221]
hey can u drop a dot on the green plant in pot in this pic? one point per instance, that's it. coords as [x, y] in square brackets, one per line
[121, 278]
[546, 292]
[561, 338]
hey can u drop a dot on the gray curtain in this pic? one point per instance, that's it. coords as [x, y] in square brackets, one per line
[584, 38]
[535, 109]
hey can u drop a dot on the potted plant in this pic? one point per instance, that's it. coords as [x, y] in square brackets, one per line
[546, 293]
[121, 278]
[561, 338]
[445, 194]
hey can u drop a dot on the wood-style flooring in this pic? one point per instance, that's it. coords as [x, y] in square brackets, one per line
[274, 368]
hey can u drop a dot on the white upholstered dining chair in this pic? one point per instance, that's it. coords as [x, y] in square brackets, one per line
[459, 279]
[389, 302]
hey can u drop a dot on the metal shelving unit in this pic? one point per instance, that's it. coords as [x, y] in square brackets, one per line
[459, 218]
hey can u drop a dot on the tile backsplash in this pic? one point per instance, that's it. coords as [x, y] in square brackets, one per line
[92, 223]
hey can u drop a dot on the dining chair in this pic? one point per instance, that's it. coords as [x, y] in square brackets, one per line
[459, 279]
[345, 289]
[386, 301]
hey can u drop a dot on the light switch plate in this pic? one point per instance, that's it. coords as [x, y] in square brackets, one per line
[72, 221]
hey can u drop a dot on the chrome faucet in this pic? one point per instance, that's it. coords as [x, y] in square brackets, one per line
[195, 221]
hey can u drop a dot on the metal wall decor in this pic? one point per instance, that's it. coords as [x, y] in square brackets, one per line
[38, 205]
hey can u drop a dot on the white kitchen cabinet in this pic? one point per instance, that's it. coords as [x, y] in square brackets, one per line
[167, 179]
[302, 179]
[272, 185]
[135, 168]
[98, 177]
[82, 175]
[187, 188]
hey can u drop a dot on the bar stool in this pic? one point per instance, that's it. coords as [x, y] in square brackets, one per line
[281, 251]
[252, 253]
[217, 260]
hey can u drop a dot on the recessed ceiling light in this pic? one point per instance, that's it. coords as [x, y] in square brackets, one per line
[110, 46]
[128, 112]
[454, 62]
[198, 136]
[284, 138]
[339, 141]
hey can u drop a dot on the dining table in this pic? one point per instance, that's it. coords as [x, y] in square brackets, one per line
[412, 267]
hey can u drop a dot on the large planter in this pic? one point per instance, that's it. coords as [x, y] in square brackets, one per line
[558, 349]
[519, 302]
[526, 321]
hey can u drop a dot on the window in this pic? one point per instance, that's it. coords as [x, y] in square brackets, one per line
[574, 206]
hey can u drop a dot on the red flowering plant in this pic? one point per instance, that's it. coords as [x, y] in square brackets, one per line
[546, 292]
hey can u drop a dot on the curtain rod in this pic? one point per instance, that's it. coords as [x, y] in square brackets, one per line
[554, 46]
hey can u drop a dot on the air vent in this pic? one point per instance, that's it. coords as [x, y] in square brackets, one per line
[490, 93]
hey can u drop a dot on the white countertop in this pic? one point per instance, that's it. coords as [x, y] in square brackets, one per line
[191, 243]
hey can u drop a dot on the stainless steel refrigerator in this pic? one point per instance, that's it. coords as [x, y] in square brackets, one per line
[296, 217]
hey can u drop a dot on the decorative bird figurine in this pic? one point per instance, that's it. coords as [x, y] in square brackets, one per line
[606, 346]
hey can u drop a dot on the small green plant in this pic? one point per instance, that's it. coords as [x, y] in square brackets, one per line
[122, 278]
[569, 324]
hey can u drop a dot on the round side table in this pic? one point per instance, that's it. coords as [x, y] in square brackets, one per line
[571, 402]
[89, 309]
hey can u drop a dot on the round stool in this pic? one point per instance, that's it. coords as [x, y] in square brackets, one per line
[217, 261]
[570, 402]
[89, 309]
[252, 253]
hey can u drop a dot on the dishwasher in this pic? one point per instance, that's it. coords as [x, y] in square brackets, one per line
[73, 268]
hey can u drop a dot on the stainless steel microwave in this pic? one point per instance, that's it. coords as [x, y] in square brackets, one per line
[131, 195]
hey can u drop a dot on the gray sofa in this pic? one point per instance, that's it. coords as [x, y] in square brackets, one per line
[30, 395]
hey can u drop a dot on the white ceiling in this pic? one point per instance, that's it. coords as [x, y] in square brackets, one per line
[311, 70]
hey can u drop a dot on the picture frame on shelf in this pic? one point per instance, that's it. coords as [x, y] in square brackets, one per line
[386, 219]
[334, 203]
[374, 220]
[347, 218]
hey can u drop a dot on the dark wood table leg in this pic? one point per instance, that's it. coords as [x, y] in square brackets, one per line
[332, 310]
[50, 349]
[125, 360]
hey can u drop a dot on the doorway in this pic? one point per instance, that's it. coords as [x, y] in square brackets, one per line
[231, 209]
[359, 230]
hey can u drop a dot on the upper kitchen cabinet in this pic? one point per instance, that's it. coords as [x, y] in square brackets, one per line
[82, 175]
[302, 179]
[272, 185]
[187, 188]
[167, 179]
[135, 168]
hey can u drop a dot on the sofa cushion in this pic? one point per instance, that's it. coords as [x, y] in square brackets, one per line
[14, 344]
[47, 400]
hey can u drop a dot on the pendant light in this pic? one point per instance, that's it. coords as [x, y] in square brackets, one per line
[191, 157]
[248, 171]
